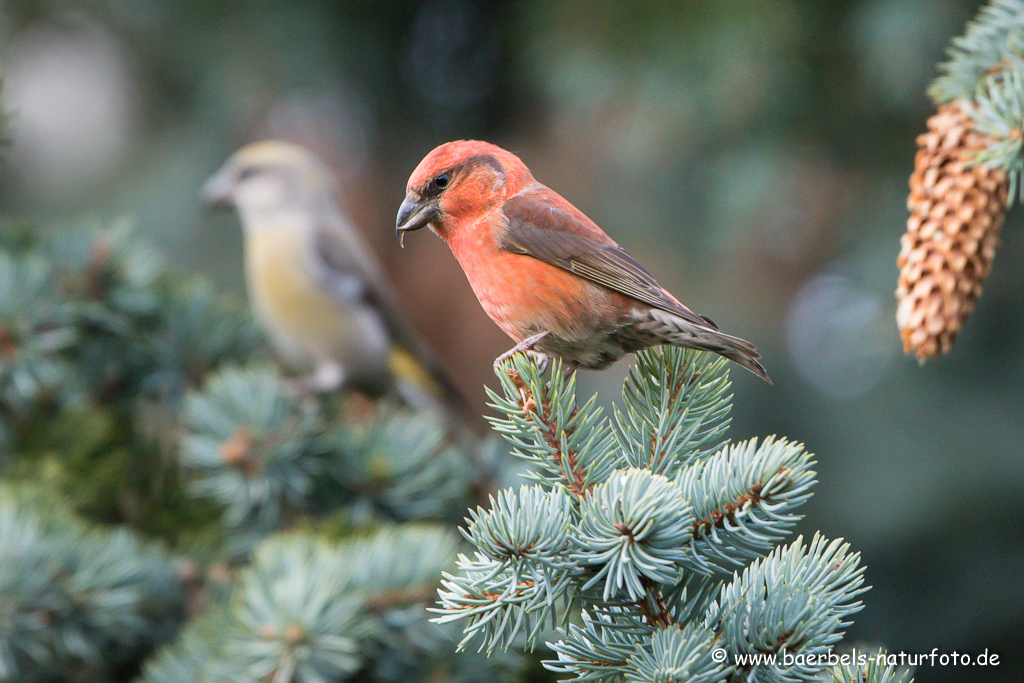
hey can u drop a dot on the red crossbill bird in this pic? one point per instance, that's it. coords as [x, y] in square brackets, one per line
[314, 284]
[544, 272]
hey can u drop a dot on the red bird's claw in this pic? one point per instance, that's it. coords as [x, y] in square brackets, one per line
[525, 346]
[540, 359]
[501, 359]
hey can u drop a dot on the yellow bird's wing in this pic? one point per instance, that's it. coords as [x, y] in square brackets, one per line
[346, 268]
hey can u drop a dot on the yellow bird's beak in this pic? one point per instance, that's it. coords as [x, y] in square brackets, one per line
[216, 192]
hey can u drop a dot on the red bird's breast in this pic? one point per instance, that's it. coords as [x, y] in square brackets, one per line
[525, 296]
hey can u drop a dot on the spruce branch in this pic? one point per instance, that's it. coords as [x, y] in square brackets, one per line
[639, 552]
[399, 465]
[498, 605]
[635, 526]
[677, 654]
[596, 649]
[113, 371]
[294, 617]
[570, 446]
[77, 603]
[992, 44]
[672, 400]
[799, 597]
[744, 500]
[311, 610]
[34, 336]
[272, 458]
[248, 447]
[527, 530]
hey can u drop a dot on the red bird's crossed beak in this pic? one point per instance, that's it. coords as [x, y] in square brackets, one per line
[414, 216]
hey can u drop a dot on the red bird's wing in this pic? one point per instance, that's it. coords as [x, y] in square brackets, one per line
[548, 228]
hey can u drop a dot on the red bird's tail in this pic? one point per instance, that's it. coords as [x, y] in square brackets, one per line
[669, 328]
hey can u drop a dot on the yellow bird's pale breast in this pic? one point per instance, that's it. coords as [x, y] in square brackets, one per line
[307, 324]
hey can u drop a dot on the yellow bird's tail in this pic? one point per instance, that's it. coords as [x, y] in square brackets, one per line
[425, 383]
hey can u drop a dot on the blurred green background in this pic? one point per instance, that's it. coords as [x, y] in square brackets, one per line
[754, 155]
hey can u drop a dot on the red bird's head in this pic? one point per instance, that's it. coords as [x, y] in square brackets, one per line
[459, 183]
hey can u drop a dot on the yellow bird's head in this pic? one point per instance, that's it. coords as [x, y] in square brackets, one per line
[267, 180]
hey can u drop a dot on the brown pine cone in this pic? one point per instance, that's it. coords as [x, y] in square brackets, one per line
[956, 210]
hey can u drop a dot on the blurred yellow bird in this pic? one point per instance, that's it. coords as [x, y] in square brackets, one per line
[314, 285]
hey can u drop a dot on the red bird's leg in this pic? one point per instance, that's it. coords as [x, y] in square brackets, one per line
[526, 346]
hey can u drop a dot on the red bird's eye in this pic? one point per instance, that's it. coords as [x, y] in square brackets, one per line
[441, 181]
